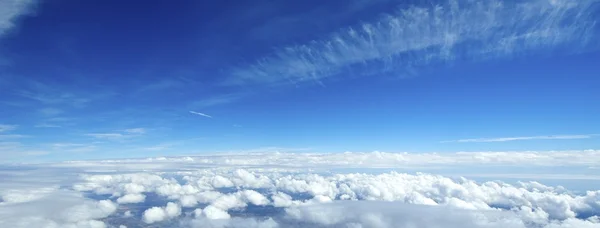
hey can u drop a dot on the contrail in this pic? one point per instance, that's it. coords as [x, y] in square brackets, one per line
[201, 114]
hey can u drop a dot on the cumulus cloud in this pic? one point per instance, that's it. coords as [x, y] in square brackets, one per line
[283, 196]
[418, 35]
[527, 204]
[57, 208]
[158, 214]
[131, 198]
[507, 139]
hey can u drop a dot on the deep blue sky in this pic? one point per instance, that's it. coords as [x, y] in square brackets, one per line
[107, 78]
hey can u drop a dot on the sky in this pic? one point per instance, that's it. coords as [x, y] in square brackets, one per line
[266, 114]
[117, 79]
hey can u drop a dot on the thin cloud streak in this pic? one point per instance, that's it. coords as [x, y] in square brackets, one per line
[47, 126]
[201, 114]
[508, 139]
[418, 36]
[10, 10]
[6, 127]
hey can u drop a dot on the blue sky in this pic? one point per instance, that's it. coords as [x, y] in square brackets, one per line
[108, 79]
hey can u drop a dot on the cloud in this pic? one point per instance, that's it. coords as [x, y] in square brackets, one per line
[356, 200]
[127, 134]
[135, 131]
[419, 35]
[507, 139]
[355, 160]
[44, 125]
[72, 147]
[6, 127]
[12, 136]
[58, 208]
[131, 198]
[10, 11]
[201, 114]
[109, 136]
[157, 214]
[278, 196]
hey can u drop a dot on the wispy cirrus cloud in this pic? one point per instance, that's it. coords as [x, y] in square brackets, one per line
[135, 130]
[200, 114]
[6, 127]
[10, 10]
[420, 35]
[508, 139]
[44, 125]
[120, 135]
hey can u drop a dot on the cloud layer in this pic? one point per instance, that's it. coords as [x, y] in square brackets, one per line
[507, 139]
[430, 33]
[574, 158]
[284, 190]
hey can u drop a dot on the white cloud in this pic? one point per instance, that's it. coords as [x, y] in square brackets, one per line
[421, 34]
[159, 214]
[109, 136]
[58, 208]
[154, 214]
[127, 134]
[47, 126]
[11, 136]
[6, 127]
[451, 201]
[135, 131]
[131, 198]
[401, 160]
[223, 194]
[10, 10]
[201, 114]
[507, 139]
[212, 212]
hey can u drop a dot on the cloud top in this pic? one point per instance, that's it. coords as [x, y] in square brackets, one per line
[508, 139]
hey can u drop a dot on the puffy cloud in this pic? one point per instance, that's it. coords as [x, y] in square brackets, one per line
[154, 214]
[56, 209]
[131, 198]
[212, 212]
[270, 197]
[158, 214]
[386, 214]
[254, 197]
